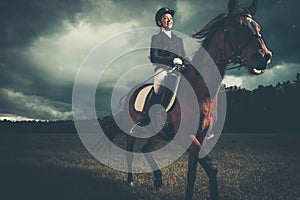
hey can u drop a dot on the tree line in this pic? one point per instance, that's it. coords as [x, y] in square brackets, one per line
[265, 109]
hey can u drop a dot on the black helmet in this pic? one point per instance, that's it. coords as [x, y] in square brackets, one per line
[161, 12]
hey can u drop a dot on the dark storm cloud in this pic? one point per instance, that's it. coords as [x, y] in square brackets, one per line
[31, 106]
[20, 74]
[281, 28]
[21, 21]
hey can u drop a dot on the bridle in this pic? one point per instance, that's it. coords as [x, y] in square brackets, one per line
[236, 57]
[236, 51]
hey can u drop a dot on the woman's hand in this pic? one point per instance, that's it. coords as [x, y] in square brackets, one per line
[177, 61]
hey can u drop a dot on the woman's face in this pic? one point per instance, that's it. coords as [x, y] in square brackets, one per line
[167, 21]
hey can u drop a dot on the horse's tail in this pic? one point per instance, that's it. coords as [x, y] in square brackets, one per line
[109, 127]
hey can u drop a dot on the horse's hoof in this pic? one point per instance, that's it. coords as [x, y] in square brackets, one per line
[158, 184]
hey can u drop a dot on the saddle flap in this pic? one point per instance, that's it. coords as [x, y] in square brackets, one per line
[142, 96]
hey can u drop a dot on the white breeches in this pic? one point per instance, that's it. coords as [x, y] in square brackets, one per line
[167, 79]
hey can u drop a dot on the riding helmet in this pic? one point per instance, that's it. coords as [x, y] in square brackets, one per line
[161, 12]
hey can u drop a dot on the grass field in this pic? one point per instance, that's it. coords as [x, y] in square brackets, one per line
[57, 166]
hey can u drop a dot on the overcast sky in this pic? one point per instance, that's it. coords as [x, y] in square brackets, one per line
[44, 42]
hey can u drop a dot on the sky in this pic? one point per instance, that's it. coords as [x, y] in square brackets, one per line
[44, 42]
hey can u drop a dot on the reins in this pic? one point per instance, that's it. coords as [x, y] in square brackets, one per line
[235, 67]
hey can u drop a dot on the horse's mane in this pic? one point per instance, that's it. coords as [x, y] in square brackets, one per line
[207, 32]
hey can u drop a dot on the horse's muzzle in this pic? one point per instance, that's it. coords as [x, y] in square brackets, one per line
[261, 59]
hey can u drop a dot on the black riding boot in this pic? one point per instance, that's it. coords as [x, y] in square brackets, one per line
[164, 102]
[166, 97]
[151, 99]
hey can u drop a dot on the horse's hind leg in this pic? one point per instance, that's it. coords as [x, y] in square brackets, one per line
[147, 148]
[211, 170]
[129, 158]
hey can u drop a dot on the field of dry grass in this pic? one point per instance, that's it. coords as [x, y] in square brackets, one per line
[57, 166]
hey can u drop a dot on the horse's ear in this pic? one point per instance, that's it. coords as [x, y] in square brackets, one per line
[252, 7]
[232, 5]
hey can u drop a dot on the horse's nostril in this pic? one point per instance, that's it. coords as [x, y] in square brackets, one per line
[261, 52]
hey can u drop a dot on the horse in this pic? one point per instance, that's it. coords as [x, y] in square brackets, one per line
[231, 37]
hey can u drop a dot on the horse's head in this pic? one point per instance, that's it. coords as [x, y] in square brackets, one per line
[244, 39]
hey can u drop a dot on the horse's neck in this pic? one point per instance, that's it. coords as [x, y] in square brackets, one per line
[216, 50]
[209, 68]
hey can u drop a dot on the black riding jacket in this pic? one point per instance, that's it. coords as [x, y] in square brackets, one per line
[164, 49]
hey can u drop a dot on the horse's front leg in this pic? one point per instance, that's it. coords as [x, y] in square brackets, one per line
[129, 158]
[147, 149]
[211, 171]
[192, 171]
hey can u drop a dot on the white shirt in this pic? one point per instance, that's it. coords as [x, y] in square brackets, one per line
[168, 33]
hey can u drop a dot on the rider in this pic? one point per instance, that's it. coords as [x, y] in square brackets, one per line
[166, 52]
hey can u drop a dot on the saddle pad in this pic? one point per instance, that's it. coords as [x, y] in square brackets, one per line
[142, 96]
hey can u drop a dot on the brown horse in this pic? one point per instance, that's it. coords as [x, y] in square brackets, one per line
[233, 37]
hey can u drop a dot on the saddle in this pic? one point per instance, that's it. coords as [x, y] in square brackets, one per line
[143, 95]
